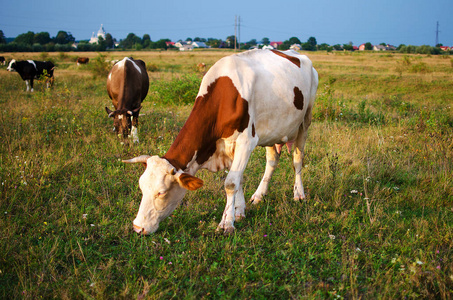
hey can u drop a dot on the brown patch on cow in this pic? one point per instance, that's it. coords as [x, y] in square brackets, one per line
[292, 59]
[298, 98]
[253, 130]
[215, 115]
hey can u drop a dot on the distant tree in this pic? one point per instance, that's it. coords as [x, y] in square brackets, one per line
[265, 41]
[310, 45]
[41, 38]
[2, 38]
[383, 44]
[25, 38]
[337, 47]
[213, 43]
[312, 41]
[146, 41]
[230, 42]
[252, 42]
[368, 46]
[198, 39]
[189, 39]
[101, 45]
[348, 47]
[64, 37]
[109, 41]
[245, 46]
[130, 41]
[294, 40]
[323, 46]
[160, 44]
[285, 45]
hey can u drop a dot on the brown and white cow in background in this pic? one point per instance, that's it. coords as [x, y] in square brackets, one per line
[82, 60]
[256, 98]
[127, 86]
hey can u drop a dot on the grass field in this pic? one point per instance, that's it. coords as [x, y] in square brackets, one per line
[377, 221]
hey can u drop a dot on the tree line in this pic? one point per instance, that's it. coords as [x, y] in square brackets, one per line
[64, 42]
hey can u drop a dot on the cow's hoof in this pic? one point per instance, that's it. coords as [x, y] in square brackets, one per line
[255, 200]
[298, 194]
[239, 218]
[226, 230]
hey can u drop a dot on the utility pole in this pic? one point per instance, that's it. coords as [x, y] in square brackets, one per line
[235, 31]
[437, 34]
[239, 33]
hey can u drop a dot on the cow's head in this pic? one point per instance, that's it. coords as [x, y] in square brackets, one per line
[163, 189]
[12, 66]
[122, 120]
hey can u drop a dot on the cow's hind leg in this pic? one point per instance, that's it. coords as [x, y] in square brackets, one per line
[31, 85]
[272, 158]
[298, 156]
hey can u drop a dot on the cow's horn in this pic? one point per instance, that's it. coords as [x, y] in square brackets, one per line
[139, 159]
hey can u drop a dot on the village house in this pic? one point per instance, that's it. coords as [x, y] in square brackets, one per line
[379, 48]
[295, 47]
[199, 45]
[275, 44]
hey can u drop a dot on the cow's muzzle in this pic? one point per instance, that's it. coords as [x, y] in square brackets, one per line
[140, 230]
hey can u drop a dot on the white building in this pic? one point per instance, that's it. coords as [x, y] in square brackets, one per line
[95, 38]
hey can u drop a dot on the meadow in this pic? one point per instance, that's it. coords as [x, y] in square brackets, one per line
[377, 221]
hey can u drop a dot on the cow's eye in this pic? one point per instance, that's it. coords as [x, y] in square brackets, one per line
[161, 194]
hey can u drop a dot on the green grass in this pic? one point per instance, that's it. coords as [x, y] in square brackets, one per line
[377, 221]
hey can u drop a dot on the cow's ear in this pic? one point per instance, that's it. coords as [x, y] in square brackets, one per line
[189, 182]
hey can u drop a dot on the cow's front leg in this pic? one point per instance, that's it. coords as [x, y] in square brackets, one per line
[134, 130]
[235, 196]
[239, 204]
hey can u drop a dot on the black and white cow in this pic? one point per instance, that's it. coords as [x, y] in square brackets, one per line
[33, 69]
[2, 60]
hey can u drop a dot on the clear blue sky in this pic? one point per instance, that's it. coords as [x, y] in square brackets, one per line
[332, 22]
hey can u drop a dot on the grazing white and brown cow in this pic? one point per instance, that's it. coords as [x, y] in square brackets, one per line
[127, 86]
[82, 60]
[256, 98]
[33, 69]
